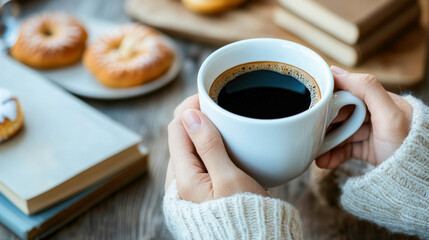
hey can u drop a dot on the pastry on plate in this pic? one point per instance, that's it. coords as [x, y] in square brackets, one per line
[129, 56]
[211, 6]
[11, 115]
[50, 40]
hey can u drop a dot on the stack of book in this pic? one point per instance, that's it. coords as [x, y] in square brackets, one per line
[67, 158]
[347, 30]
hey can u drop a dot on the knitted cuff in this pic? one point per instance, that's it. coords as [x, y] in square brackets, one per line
[396, 193]
[241, 216]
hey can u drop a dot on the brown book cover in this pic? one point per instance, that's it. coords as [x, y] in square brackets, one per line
[346, 54]
[348, 20]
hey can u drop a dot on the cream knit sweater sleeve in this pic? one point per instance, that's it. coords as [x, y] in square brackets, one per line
[241, 216]
[396, 193]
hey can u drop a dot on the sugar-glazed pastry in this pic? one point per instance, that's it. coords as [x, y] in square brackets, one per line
[211, 6]
[50, 40]
[11, 115]
[128, 56]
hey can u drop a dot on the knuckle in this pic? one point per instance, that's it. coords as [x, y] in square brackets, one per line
[209, 144]
[178, 110]
[189, 99]
[185, 104]
[370, 80]
[172, 125]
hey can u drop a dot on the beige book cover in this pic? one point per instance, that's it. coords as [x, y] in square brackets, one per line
[65, 145]
[348, 55]
[348, 20]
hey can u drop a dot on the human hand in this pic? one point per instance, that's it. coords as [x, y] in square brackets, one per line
[386, 125]
[199, 161]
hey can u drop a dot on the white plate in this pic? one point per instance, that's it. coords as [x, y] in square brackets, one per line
[78, 80]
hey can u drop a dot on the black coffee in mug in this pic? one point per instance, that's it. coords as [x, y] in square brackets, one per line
[265, 90]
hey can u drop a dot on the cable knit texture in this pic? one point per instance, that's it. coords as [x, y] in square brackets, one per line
[241, 216]
[396, 193]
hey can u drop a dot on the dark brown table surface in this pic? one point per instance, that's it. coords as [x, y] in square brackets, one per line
[134, 212]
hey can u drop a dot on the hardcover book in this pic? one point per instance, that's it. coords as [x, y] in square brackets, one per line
[64, 148]
[49, 220]
[346, 54]
[348, 20]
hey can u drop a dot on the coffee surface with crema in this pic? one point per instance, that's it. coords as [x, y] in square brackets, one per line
[265, 90]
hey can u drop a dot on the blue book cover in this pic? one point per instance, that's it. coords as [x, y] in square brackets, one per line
[22, 224]
[46, 222]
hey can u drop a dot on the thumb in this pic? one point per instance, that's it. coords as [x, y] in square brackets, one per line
[208, 144]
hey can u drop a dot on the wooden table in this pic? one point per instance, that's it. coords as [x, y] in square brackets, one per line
[135, 211]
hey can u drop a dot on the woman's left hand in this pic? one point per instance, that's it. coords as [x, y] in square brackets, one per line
[199, 161]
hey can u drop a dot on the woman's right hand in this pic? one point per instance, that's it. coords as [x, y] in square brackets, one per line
[385, 128]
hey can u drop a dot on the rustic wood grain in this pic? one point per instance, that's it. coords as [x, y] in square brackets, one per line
[135, 211]
[401, 62]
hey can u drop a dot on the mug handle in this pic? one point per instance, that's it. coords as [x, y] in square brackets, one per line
[350, 126]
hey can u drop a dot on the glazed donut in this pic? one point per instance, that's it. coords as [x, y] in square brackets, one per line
[11, 115]
[211, 6]
[50, 40]
[128, 56]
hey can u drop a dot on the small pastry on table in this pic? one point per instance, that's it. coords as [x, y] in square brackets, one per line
[211, 6]
[129, 56]
[50, 40]
[11, 115]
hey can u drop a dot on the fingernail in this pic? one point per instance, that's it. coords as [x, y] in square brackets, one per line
[338, 71]
[192, 120]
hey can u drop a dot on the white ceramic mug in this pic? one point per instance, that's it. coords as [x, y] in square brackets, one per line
[275, 151]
